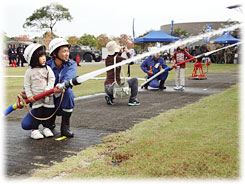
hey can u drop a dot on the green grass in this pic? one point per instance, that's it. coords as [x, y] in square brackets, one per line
[14, 85]
[200, 140]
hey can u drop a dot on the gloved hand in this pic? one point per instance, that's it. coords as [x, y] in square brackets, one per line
[174, 66]
[31, 99]
[23, 94]
[150, 72]
[46, 99]
[57, 91]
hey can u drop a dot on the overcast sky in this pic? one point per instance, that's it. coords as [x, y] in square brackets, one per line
[114, 17]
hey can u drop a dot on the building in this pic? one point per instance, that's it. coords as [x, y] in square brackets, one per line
[194, 28]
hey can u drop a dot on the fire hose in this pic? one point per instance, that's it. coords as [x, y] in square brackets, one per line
[80, 79]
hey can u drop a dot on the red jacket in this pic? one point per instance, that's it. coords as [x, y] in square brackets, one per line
[181, 56]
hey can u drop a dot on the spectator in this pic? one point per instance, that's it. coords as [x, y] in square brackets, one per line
[14, 56]
[20, 52]
[10, 54]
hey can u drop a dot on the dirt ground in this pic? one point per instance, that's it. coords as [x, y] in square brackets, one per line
[93, 119]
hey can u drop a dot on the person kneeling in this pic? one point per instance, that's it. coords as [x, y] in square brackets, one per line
[115, 51]
[152, 65]
[39, 78]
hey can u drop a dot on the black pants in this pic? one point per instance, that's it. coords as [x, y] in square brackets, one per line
[20, 58]
[41, 112]
[133, 84]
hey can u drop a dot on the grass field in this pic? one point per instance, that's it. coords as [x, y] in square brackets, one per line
[14, 85]
[191, 142]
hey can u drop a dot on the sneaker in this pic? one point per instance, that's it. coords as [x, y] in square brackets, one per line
[134, 103]
[36, 134]
[109, 101]
[181, 88]
[47, 132]
[176, 88]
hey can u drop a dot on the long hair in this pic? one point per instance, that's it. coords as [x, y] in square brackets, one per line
[35, 56]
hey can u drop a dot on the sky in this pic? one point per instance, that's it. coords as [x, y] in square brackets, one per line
[114, 17]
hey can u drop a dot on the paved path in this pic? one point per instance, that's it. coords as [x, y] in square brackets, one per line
[93, 119]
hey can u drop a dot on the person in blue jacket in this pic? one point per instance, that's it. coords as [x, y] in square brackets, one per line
[151, 66]
[64, 70]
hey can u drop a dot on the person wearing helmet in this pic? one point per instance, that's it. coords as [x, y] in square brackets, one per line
[39, 78]
[180, 55]
[152, 65]
[64, 70]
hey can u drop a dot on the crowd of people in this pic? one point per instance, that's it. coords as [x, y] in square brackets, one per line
[15, 55]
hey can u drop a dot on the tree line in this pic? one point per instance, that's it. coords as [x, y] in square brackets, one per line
[46, 17]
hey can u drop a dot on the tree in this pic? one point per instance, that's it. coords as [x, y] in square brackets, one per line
[145, 33]
[102, 41]
[5, 37]
[126, 40]
[47, 17]
[89, 40]
[178, 32]
[22, 38]
[47, 37]
[73, 40]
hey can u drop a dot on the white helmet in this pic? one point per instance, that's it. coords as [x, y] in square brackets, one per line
[57, 42]
[30, 50]
[152, 49]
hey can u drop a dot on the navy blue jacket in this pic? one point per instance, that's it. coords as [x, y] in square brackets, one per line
[65, 73]
[145, 65]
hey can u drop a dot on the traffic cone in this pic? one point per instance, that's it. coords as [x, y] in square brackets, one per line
[77, 60]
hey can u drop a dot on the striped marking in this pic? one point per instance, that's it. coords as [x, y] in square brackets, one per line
[61, 138]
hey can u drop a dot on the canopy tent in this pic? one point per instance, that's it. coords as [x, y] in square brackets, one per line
[156, 36]
[226, 39]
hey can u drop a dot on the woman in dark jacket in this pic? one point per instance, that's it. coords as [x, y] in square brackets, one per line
[115, 50]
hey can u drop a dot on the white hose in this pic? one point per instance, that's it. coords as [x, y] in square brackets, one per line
[90, 75]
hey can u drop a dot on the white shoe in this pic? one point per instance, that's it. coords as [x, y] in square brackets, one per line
[36, 134]
[176, 88]
[181, 88]
[47, 132]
